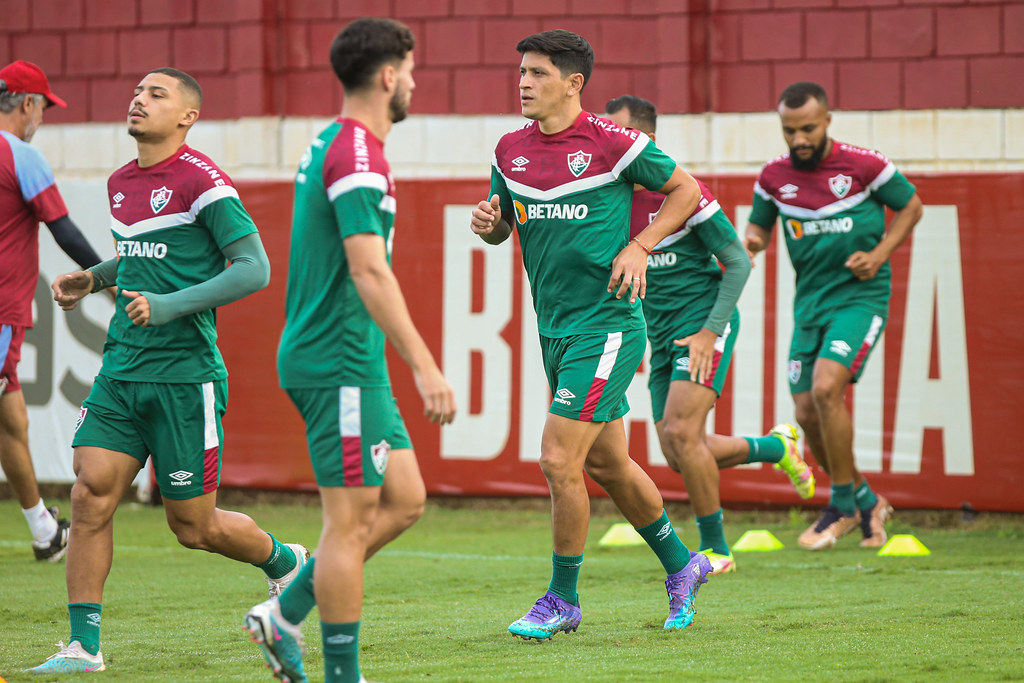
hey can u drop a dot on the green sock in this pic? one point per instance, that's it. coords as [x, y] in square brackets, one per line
[298, 599]
[565, 572]
[865, 497]
[712, 534]
[341, 652]
[842, 498]
[85, 624]
[765, 449]
[281, 561]
[666, 544]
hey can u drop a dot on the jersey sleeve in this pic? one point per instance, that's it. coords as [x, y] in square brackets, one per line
[763, 212]
[498, 187]
[357, 200]
[37, 185]
[222, 213]
[651, 167]
[894, 192]
[716, 230]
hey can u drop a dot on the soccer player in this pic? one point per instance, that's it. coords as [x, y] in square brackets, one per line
[162, 387]
[692, 323]
[565, 181]
[342, 302]
[831, 197]
[28, 196]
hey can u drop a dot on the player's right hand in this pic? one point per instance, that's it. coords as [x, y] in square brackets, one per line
[437, 394]
[754, 245]
[70, 288]
[486, 216]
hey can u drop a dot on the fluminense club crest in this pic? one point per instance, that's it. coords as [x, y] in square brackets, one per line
[840, 185]
[379, 454]
[158, 198]
[578, 162]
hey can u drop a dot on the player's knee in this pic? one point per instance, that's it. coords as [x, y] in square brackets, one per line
[826, 393]
[601, 473]
[681, 439]
[806, 416]
[556, 467]
[91, 504]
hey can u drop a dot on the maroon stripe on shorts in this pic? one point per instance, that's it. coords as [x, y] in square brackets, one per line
[352, 460]
[210, 461]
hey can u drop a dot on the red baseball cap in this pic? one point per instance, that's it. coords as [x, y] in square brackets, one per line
[22, 76]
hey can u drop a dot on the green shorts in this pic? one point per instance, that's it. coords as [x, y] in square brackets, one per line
[670, 363]
[588, 374]
[846, 336]
[178, 424]
[351, 432]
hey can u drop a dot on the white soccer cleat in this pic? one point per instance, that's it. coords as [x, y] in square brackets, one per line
[70, 659]
[277, 586]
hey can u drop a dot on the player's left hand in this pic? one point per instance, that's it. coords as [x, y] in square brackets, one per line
[702, 354]
[864, 264]
[137, 309]
[629, 271]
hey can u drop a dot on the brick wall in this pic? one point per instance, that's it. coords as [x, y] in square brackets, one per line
[268, 57]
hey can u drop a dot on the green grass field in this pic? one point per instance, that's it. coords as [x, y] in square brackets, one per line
[439, 600]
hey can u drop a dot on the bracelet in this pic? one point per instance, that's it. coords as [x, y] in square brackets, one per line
[649, 252]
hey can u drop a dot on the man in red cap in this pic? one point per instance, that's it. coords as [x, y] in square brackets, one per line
[28, 196]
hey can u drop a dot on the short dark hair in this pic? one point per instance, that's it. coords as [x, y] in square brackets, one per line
[570, 52]
[797, 94]
[185, 82]
[362, 47]
[643, 115]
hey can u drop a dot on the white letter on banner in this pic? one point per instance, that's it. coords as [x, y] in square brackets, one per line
[748, 354]
[482, 436]
[935, 285]
[534, 393]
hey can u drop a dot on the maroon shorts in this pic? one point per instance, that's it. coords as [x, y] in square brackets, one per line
[11, 337]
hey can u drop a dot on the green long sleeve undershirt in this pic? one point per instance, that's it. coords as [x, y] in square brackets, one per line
[249, 272]
[737, 269]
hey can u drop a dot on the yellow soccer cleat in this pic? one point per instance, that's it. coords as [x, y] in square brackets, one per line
[720, 564]
[792, 464]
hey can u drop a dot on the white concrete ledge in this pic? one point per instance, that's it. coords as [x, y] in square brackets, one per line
[461, 146]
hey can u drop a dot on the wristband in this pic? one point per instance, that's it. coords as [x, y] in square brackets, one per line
[649, 252]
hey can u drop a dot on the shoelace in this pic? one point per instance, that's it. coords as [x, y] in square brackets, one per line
[538, 610]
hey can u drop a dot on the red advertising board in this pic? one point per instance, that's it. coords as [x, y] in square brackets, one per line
[932, 414]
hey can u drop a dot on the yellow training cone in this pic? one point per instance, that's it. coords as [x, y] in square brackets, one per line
[902, 545]
[757, 539]
[621, 534]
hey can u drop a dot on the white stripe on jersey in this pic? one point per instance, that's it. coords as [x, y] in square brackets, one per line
[884, 176]
[349, 421]
[699, 217]
[210, 438]
[367, 179]
[173, 220]
[825, 211]
[580, 185]
[611, 351]
[387, 203]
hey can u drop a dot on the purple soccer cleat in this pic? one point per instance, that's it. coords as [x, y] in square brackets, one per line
[548, 616]
[682, 590]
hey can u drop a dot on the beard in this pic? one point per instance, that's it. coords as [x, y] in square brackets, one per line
[811, 162]
[398, 107]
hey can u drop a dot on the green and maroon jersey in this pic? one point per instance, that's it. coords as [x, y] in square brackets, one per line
[344, 187]
[827, 214]
[568, 195]
[170, 222]
[682, 273]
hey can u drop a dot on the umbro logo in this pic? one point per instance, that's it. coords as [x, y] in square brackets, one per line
[180, 478]
[519, 163]
[94, 619]
[563, 395]
[788, 191]
[339, 639]
[664, 531]
[840, 347]
[118, 198]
